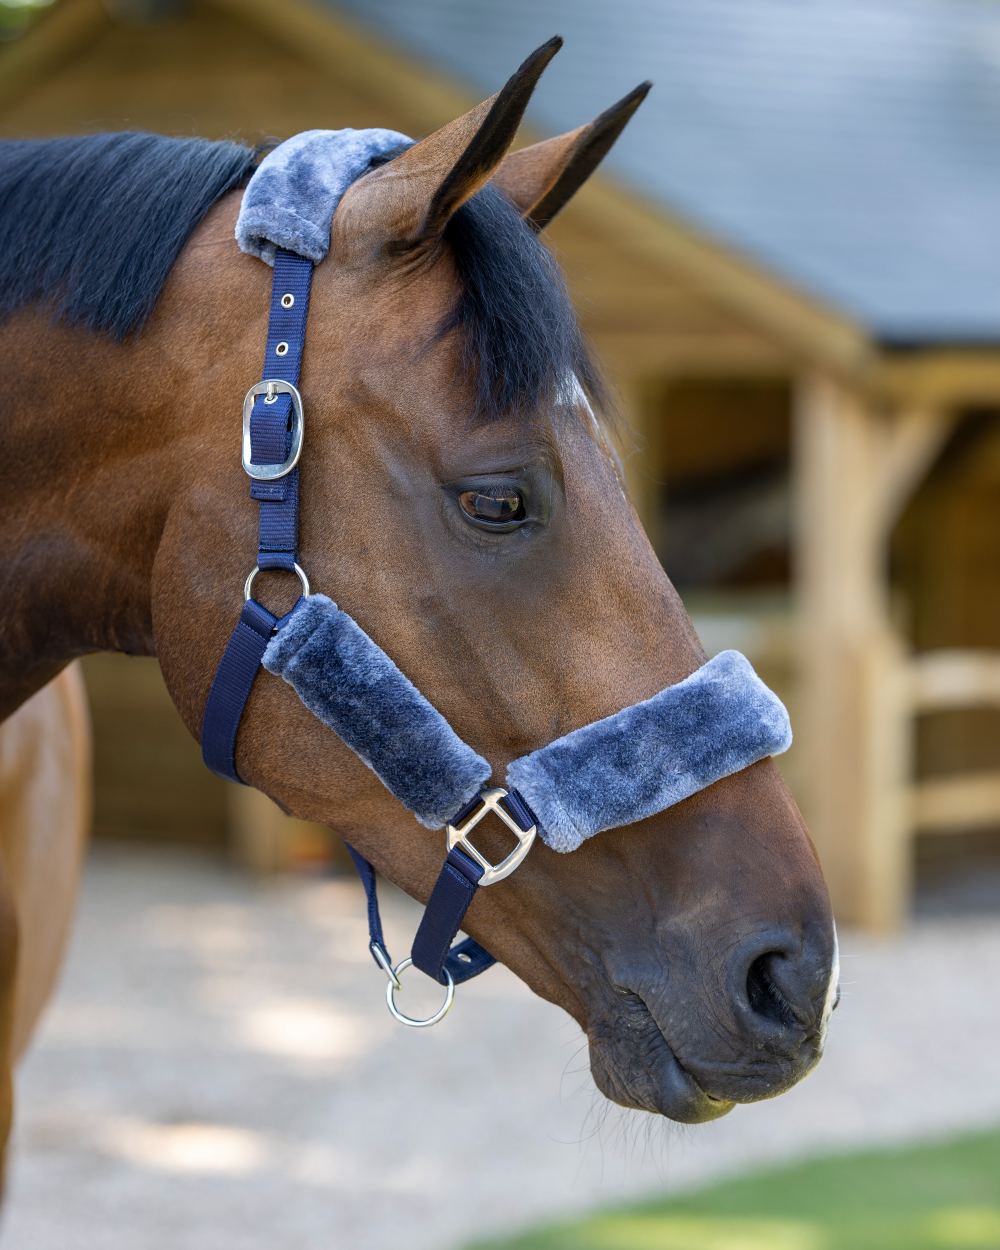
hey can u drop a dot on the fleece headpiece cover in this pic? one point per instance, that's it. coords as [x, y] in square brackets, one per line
[291, 198]
[613, 772]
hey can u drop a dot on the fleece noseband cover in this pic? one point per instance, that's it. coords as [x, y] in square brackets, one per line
[613, 772]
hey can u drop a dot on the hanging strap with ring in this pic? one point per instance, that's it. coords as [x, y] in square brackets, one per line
[465, 870]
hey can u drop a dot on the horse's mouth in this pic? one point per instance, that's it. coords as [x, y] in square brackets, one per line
[634, 1065]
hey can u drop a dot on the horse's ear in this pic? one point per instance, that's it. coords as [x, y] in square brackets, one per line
[540, 179]
[410, 200]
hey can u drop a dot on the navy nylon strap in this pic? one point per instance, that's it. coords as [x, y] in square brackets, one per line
[271, 418]
[369, 880]
[465, 960]
[270, 442]
[272, 433]
[231, 688]
[450, 899]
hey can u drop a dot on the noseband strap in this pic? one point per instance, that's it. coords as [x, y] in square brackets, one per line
[614, 772]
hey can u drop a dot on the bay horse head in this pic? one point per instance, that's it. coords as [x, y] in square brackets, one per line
[463, 502]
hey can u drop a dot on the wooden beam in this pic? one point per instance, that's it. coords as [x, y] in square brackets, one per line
[60, 34]
[666, 354]
[853, 733]
[941, 680]
[410, 88]
[914, 438]
[640, 447]
[957, 804]
[939, 377]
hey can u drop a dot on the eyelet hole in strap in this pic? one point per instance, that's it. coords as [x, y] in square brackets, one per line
[412, 1021]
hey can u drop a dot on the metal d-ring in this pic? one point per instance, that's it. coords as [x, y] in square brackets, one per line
[299, 573]
[390, 998]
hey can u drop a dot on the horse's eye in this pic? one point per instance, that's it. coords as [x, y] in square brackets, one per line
[503, 507]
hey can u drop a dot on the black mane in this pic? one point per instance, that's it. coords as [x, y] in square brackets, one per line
[93, 225]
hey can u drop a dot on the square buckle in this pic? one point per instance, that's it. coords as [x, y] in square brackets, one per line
[457, 835]
[272, 388]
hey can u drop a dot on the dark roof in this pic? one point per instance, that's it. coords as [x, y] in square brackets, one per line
[851, 147]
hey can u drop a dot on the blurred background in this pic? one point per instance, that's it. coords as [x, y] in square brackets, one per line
[790, 270]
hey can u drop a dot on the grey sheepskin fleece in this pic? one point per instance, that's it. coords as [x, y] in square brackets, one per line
[653, 754]
[613, 772]
[349, 682]
[294, 192]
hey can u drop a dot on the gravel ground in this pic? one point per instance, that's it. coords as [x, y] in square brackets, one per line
[219, 1069]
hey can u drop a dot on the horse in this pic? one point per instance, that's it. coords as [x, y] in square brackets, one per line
[463, 500]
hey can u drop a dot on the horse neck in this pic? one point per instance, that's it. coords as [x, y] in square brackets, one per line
[82, 477]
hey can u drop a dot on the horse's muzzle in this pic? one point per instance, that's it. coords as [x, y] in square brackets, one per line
[692, 1054]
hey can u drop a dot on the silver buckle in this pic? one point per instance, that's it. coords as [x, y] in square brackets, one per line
[272, 388]
[490, 802]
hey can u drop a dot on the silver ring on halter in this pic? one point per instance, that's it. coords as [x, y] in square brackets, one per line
[299, 573]
[442, 1011]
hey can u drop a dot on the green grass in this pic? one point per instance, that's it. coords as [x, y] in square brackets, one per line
[939, 1197]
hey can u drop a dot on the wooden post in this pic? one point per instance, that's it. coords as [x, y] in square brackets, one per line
[266, 841]
[853, 731]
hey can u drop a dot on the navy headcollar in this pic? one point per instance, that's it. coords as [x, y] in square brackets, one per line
[614, 772]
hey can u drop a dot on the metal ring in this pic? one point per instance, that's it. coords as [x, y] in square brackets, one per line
[299, 573]
[442, 1011]
[287, 300]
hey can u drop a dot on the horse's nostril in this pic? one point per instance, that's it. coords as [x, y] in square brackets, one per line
[764, 994]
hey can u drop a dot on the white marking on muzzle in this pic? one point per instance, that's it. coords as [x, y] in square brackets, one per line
[832, 988]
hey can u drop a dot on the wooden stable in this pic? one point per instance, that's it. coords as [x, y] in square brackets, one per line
[684, 324]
